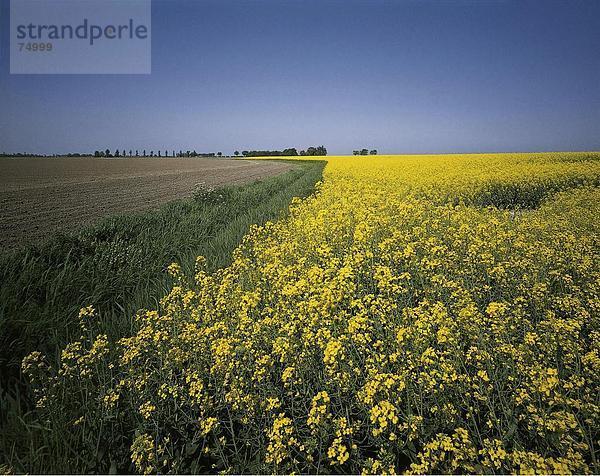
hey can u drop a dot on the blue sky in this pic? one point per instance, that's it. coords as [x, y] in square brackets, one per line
[402, 76]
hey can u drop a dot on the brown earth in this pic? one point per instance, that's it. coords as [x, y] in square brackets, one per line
[39, 196]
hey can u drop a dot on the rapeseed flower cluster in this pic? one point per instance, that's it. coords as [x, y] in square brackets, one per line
[419, 314]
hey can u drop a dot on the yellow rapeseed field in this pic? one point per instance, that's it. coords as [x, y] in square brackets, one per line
[420, 314]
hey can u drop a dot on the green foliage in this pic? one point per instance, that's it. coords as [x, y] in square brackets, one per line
[525, 195]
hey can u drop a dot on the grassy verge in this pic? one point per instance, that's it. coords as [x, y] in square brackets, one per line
[118, 267]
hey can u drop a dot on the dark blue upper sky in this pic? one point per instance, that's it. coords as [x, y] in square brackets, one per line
[402, 76]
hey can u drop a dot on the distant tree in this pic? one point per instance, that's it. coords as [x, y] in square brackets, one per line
[159, 153]
[321, 150]
[290, 152]
[236, 153]
[117, 154]
[245, 153]
[303, 152]
[144, 155]
[166, 153]
[96, 153]
[219, 154]
[180, 153]
[373, 152]
[356, 152]
[107, 152]
[137, 153]
[364, 152]
[151, 153]
[130, 153]
[173, 153]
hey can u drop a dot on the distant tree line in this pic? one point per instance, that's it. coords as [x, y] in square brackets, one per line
[26, 154]
[20, 154]
[159, 153]
[364, 152]
[289, 152]
[292, 151]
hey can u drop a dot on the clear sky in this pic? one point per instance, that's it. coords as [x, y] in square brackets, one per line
[402, 76]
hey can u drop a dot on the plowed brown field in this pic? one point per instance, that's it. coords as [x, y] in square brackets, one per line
[39, 196]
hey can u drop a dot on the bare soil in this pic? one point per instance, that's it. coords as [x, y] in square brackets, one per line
[39, 196]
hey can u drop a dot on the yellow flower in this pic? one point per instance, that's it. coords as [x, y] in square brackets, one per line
[146, 410]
